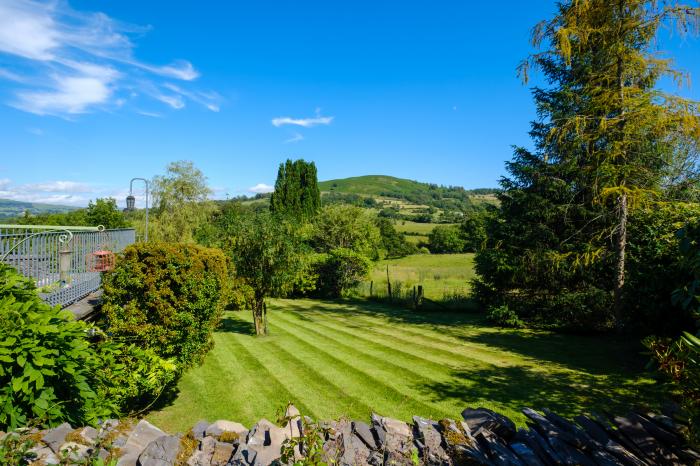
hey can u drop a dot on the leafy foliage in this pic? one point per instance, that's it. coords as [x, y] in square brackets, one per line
[106, 213]
[16, 449]
[603, 140]
[48, 368]
[180, 204]
[391, 241]
[309, 444]
[504, 316]
[680, 359]
[266, 252]
[342, 270]
[349, 227]
[445, 239]
[296, 190]
[168, 298]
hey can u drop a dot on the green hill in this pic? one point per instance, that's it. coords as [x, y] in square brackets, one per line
[452, 198]
[9, 208]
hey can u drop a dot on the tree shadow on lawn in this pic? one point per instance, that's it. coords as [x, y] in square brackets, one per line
[594, 354]
[564, 392]
[234, 325]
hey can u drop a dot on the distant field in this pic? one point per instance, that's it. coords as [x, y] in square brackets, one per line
[442, 275]
[414, 227]
[335, 359]
[416, 239]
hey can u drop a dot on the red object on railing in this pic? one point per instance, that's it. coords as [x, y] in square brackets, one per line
[100, 261]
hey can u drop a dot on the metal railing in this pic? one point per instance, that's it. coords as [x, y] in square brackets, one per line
[57, 258]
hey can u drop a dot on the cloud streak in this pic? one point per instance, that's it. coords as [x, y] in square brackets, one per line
[296, 138]
[65, 62]
[303, 122]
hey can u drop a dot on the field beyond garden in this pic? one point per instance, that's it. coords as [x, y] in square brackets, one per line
[335, 359]
[443, 276]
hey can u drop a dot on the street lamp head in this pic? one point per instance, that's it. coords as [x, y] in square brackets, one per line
[130, 202]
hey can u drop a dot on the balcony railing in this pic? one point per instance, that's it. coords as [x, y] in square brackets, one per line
[58, 258]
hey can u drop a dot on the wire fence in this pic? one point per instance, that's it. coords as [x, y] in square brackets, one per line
[59, 260]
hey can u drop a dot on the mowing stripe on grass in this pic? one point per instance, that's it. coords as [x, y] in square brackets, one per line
[437, 355]
[419, 338]
[368, 352]
[305, 385]
[359, 382]
[273, 389]
[403, 379]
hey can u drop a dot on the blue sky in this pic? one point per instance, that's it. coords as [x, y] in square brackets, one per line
[94, 93]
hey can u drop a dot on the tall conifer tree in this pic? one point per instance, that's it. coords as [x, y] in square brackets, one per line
[296, 190]
[605, 136]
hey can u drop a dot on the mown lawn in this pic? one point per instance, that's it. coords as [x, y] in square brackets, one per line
[442, 275]
[337, 359]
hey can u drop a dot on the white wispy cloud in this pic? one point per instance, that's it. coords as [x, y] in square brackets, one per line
[149, 114]
[261, 188]
[175, 101]
[57, 186]
[72, 193]
[295, 138]
[73, 62]
[303, 122]
[36, 131]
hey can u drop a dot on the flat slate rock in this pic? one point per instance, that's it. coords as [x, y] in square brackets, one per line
[161, 452]
[217, 428]
[427, 433]
[491, 420]
[137, 441]
[365, 433]
[56, 437]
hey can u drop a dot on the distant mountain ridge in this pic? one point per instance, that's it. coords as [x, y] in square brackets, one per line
[10, 208]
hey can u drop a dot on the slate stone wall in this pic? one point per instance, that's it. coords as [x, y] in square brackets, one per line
[480, 437]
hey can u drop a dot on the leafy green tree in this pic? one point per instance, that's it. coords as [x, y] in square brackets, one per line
[342, 270]
[266, 253]
[473, 230]
[296, 190]
[349, 227]
[393, 242]
[445, 239]
[180, 203]
[624, 131]
[105, 212]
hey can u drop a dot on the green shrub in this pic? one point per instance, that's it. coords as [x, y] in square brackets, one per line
[680, 359]
[504, 316]
[341, 270]
[133, 377]
[168, 298]
[446, 239]
[48, 368]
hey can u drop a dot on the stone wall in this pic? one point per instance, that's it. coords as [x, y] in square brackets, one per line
[480, 437]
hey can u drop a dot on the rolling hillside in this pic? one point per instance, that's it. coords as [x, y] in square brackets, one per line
[389, 186]
[10, 208]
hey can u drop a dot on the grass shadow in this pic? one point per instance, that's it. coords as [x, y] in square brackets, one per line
[234, 325]
[594, 354]
[565, 392]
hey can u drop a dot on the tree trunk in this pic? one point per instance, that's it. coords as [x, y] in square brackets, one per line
[620, 246]
[259, 316]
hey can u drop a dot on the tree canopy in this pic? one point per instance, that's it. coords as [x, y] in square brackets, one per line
[296, 190]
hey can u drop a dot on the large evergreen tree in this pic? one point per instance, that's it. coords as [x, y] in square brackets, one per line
[296, 190]
[604, 140]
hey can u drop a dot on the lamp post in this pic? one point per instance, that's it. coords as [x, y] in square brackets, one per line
[131, 200]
